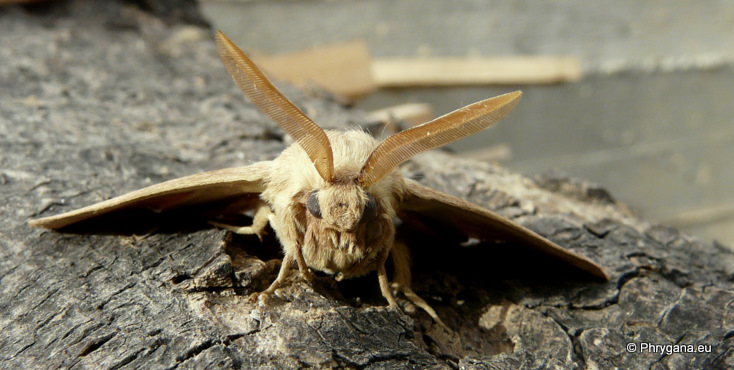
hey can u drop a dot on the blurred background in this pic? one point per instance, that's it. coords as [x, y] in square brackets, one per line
[633, 95]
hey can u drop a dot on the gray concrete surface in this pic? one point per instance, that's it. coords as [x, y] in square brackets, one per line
[651, 120]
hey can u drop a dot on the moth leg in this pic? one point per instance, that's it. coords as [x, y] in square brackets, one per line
[283, 274]
[285, 271]
[259, 222]
[384, 283]
[400, 255]
[307, 274]
[402, 278]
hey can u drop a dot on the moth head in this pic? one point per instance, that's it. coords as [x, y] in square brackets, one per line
[342, 206]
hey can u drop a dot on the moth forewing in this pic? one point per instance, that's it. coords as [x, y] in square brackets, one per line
[206, 187]
[331, 197]
[483, 224]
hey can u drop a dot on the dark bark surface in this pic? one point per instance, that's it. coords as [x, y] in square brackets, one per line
[98, 100]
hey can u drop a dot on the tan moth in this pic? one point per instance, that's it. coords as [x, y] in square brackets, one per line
[332, 196]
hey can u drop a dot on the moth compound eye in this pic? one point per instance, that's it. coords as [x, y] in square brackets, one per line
[313, 204]
[370, 210]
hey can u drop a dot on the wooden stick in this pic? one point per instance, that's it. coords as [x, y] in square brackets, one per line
[343, 69]
[512, 70]
[412, 113]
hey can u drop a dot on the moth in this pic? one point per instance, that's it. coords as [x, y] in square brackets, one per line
[332, 196]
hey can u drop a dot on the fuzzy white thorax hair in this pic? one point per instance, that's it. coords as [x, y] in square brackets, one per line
[293, 171]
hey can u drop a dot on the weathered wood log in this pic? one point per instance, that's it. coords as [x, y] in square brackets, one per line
[100, 99]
